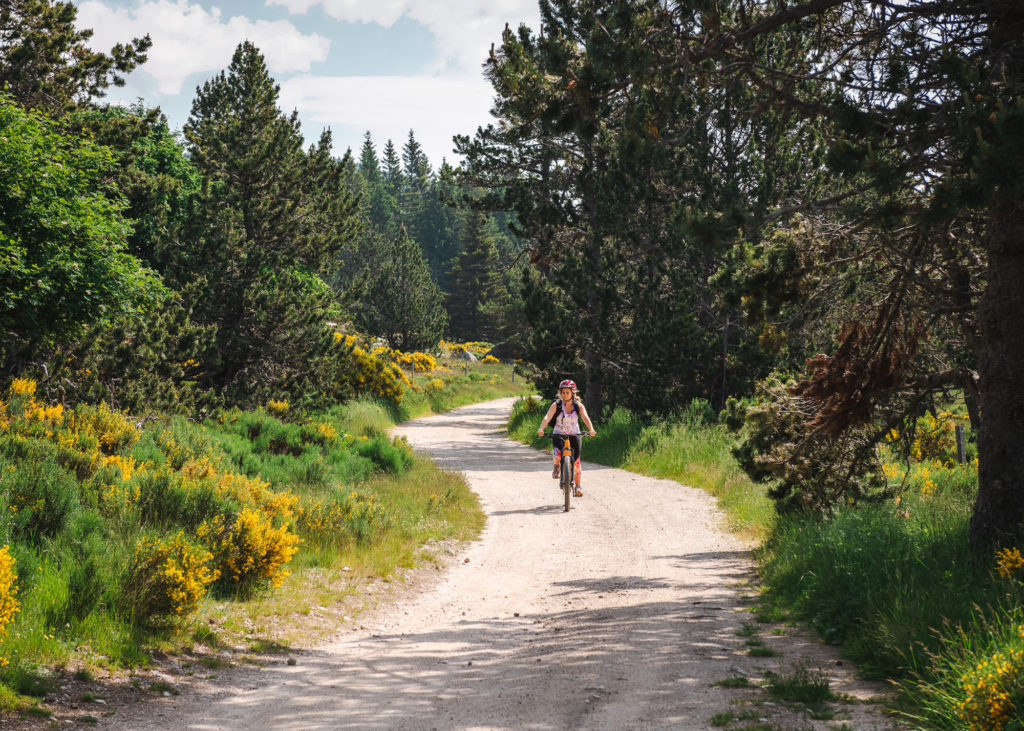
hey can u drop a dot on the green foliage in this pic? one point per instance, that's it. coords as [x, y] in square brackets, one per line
[270, 220]
[402, 303]
[42, 497]
[475, 281]
[807, 469]
[875, 579]
[155, 178]
[46, 61]
[385, 455]
[62, 236]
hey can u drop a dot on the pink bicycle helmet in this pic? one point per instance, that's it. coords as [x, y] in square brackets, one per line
[567, 384]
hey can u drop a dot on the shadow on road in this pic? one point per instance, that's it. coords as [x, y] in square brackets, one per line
[549, 670]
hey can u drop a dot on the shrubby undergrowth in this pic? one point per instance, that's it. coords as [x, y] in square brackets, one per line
[113, 533]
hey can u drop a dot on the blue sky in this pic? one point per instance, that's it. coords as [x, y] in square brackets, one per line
[352, 65]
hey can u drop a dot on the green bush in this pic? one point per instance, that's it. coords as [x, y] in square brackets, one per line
[41, 498]
[89, 574]
[340, 519]
[388, 456]
[167, 500]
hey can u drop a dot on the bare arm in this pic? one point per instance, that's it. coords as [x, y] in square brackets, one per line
[544, 421]
[586, 420]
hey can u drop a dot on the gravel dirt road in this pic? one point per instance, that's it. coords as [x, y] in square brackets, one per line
[620, 614]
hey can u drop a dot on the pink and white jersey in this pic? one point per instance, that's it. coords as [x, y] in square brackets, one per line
[568, 423]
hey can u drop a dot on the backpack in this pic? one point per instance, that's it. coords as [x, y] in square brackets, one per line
[561, 409]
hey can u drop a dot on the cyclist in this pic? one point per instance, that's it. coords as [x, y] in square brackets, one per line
[570, 411]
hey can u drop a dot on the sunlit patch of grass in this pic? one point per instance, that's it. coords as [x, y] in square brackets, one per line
[723, 718]
[268, 647]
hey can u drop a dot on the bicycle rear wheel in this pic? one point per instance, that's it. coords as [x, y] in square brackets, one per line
[567, 486]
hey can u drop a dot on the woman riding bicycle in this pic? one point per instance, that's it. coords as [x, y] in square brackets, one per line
[570, 411]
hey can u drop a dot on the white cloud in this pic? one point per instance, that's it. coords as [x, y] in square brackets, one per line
[464, 29]
[435, 108]
[188, 39]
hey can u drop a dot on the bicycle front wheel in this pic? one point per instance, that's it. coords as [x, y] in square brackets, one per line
[567, 486]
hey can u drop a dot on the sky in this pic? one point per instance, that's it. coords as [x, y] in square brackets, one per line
[383, 66]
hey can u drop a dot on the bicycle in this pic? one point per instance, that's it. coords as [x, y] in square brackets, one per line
[567, 472]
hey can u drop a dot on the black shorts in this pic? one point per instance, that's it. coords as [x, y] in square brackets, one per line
[575, 441]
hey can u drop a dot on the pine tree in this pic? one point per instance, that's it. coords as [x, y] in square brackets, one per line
[45, 60]
[369, 166]
[392, 169]
[401, 302]
[413, 197]
[257, 243]
[380, 205]
[475, 280]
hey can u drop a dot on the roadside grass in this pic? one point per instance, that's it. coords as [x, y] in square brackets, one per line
[361, 504]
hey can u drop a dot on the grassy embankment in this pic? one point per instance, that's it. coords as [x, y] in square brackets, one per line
[234, 532]
[894, 583]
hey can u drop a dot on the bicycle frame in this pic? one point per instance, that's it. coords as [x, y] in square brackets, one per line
[567, 479]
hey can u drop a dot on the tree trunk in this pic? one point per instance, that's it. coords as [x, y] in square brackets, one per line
[591, 360]
[999, 509]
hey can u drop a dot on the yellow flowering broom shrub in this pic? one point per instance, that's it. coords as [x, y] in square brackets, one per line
[255, 492]
[248, 549]
[318, 432]
[1009, 561]
[478, 348]
[112, 429]
[993, 689]
[420, 362]
[931, 465]
[278, 408]
[167, 578]
[372, 372]
[9, 604]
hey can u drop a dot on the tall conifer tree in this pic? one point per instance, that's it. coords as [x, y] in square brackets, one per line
[391, 169]
[46, 61]
[258, 247]
[474, 280]
[402, 303]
